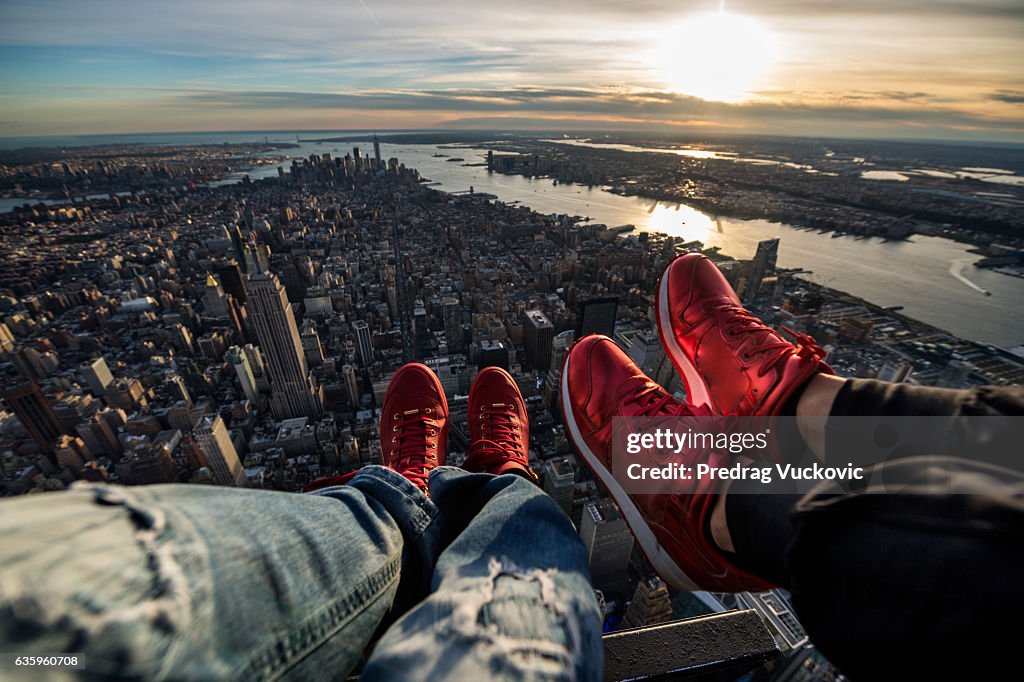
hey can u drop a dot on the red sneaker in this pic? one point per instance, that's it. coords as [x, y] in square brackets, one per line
[600, 382]
[498, 426]
[730, 360]
[414, 423]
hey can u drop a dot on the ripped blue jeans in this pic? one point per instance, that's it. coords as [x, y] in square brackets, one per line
[485, 579]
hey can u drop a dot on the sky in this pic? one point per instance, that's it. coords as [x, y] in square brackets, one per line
[906, 69]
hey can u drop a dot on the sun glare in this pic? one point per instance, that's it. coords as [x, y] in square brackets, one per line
[718, 56]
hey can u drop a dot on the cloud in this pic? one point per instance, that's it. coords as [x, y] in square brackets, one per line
[611, 104]
[1008, 96]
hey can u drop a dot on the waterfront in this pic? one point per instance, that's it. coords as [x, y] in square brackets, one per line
[925, 275]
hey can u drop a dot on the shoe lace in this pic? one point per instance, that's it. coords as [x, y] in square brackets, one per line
[415, 436]
[501, 437]
[766, 343]
[654, 401]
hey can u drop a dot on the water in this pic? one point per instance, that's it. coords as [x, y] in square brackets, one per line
[931, 277]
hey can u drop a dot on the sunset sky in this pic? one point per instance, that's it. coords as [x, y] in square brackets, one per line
[931, 69]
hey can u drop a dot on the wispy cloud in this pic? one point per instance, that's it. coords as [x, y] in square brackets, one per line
[942, 64]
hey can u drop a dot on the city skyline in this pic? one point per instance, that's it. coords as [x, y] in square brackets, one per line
[923, 70]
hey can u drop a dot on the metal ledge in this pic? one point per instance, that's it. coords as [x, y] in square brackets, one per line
[719, 646]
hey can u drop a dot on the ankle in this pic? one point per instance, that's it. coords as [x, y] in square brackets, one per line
[813, 407]
[718, 524]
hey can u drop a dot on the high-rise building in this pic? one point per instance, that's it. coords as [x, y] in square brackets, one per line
[293, 390]
[215, 442]
[348, 373]
[376, 150]
[764, 262]
[36, 414]
[452, 314]
[553, 380]
[560, 482]
[609, 543]
[231, 280]
[238, 359]
[364, 342]
[214, 300]
[597, 316]
[97, 375]
[538, 334]
[651, 604]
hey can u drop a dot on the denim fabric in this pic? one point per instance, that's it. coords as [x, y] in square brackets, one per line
[511, 596]
[198, 582]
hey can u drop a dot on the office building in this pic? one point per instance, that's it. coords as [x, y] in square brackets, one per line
[97, 375]
[764, 263]
[538, 334]
[215, 443]
[36, 414]
[348, 374]
[597, 316]
[214, 300]
[452, 314]
[650, 605]
[364, 342]
[609, 542]
[238, 359]
[293, 390]
[560, 482]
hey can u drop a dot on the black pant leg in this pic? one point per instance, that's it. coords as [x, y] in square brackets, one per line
[915, 583]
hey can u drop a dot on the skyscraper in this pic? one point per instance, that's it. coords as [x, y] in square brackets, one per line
[597, 316]
[221, 456]
[560, 482]
[214, 301]
[293, 390]
[36, 414]
[348, 373]
[452, 314]
[538, 334]
[238, 359]
[763, 263]
[97, 375]
[376, 150]
[364, 342]
[609, 543]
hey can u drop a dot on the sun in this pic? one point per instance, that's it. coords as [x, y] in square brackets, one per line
[717, 56]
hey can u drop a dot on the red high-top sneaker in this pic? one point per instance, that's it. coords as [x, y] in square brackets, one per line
[414, 423]
[730, 360]
[498, 426]
[600, 382]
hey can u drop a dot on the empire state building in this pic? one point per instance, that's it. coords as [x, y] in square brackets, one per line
[294, 392]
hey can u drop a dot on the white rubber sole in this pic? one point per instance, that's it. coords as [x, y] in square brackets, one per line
[662, 563]
[696, 390]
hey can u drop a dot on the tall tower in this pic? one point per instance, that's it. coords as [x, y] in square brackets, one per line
[597, 316]
[376, 150]
[764, 262]
[293, 391]
[97, 375]
[36, 415]
[364, 342]
[609, 543]
[215, 303]
[215, 442]
[538, 334]
[452, 314]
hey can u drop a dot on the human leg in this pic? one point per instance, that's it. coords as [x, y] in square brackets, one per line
[511, 592]
[193, 581]
[201, 582]
[907, 576]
